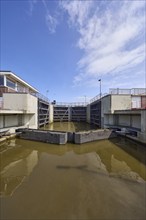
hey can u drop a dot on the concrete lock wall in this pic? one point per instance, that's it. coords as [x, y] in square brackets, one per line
[120, 102]
[136, 121]
[84, 137]
[64, 137]
[11, 120]
[1, 121]
[143, 121]
[142, 133]
[17, 101]
[88, 114]
[108, 119]
[45, 136]
[106, 105]
[105, 109]
[27, 104]
[51, 110]
[29, 121]
[124, 120]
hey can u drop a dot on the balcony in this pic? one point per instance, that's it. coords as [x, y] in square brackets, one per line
[21, 89]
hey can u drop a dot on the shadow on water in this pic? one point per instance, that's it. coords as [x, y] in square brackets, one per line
[138, 151]
[72, 167]
[83, 168]
[116, 158]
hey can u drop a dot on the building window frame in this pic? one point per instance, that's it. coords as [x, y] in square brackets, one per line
[10, 83]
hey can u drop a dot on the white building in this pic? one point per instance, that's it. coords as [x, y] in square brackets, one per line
[126, 109]
[18, 102]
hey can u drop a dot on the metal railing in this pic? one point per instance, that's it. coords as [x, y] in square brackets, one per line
[41, 96]
[71, 104]
[23, 90]
[138, 91]
[133, 91]
[98, 97]
[117, 91]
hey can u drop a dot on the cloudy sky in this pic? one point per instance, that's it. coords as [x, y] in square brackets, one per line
[63, 47]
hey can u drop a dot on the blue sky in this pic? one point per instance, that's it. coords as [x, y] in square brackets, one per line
[66, 46]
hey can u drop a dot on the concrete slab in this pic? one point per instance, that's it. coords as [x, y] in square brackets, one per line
[45, 136]
[87, 136]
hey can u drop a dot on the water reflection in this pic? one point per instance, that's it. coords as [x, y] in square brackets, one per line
[68, 182]
[16, 164]
[18, 159]
[69, 126]
[122, 170]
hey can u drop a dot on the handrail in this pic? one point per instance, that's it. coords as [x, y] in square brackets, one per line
[118, 91]
[71, 104]
[133, 91]
[98, 97]
[21, 89]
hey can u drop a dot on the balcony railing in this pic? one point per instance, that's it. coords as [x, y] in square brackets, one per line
[22, 90]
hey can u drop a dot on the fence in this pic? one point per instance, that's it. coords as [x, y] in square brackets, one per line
[134, 91]
[98, 97]
[71, 104]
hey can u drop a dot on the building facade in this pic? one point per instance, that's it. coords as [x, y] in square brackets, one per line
[125, 109]
[21, 105]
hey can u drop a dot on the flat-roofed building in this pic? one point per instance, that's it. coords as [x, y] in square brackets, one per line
[18, 102]
[21, 105]
[125, 109]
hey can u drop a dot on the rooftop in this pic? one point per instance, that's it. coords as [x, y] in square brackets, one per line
[16, 78]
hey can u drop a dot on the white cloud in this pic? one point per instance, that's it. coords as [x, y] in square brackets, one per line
[109, 36]
[78, 11]
[51, 21]
[31, 6]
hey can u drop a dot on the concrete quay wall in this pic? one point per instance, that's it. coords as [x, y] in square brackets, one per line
[55, 137]
[44, 136]
[88, 136]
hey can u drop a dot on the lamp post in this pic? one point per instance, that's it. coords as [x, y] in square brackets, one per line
[100, 87]
[100, 103]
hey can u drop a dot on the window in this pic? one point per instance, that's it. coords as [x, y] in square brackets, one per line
[1, 80]
[10, 83]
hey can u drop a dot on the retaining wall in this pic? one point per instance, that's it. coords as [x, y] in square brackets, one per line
[55, 137]
[88, 136]
[44, 136]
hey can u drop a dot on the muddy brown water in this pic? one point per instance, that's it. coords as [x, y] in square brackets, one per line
[99, 180]
[69, 126]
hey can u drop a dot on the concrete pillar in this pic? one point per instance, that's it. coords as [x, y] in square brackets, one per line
[1, 121]
[5, 81]
[143, 121]
[142, 134]
[70, 113]
[51, 111]
[88, 113]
